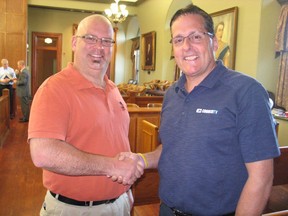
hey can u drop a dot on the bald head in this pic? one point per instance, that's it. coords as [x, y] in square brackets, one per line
[93, 20]
[4, 63]
[91, 55]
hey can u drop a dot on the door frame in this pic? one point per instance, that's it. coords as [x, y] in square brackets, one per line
[35, 48]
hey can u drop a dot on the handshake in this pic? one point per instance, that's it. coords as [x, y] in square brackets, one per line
[127, 168]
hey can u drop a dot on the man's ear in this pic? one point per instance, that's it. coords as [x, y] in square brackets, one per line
[74, 42]
[214, 42]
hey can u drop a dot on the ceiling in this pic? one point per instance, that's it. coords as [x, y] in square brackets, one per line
[126, 2]
[133, 3]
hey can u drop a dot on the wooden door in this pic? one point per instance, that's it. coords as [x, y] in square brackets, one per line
[46, 57]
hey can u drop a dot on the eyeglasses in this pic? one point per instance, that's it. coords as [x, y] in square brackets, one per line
[91, 39]
[194, 37]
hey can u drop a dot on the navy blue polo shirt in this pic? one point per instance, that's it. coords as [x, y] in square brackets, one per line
[208, 135]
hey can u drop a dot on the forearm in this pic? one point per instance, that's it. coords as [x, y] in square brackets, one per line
[63, 158]
[153, 157]
[256, 192]
[253, 200]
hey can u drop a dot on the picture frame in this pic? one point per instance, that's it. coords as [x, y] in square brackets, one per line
[74, 30]
[148, 51]
[225, 30]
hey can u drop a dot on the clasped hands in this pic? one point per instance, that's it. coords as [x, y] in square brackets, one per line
[128, 168]
[7, 80]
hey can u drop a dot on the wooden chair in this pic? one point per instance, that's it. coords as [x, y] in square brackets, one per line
[132, 105]
[278, 200]
[154, 105]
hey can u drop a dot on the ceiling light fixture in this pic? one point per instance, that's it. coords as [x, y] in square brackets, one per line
[48, 40]
[116, 14]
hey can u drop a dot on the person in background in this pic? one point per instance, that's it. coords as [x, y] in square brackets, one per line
[22, 90]
[217, 132]
[78, 125]
[7, 77]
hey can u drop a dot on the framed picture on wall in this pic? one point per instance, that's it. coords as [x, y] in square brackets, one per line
[225, 29]
[148, 51]
[74, 29]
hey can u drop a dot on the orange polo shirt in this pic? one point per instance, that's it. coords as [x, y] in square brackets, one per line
[70, 108]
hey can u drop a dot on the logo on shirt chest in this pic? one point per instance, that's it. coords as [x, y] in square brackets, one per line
[206, 111]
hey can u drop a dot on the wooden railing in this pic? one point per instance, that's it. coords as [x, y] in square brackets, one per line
[4, 115]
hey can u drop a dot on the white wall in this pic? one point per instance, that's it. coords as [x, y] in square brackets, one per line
[257, 21]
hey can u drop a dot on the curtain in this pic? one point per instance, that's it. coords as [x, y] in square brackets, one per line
[135, 46]
[281, 48]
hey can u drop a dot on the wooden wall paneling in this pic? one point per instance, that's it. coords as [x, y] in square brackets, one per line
[2, 6]
[13, 28]
[16, 24]
[16, 6]
[2, 22]
[2, 44]
[16, 49]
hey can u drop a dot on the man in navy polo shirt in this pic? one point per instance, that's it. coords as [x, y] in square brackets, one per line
[217, 132]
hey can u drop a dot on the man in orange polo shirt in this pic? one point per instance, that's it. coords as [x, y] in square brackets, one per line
[78, 126]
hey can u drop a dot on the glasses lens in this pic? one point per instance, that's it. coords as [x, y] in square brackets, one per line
[107, 42]
[196, 37]
[89, 39]
[177, 41]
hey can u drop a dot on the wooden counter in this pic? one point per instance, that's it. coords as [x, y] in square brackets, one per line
[145, 189]
[142, 101]
[282, 131]
[136, 116]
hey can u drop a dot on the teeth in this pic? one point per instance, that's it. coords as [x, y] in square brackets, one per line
[96, 56]
[190, 58]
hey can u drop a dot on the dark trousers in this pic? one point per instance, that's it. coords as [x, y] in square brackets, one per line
[10, 87]
[167, 211]
[25, 107]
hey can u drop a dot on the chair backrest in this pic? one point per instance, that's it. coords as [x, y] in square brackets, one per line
[149, 137]
[281, 167]
[132, 105]
[154, 105]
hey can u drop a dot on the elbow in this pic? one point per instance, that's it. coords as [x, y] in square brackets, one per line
[38, 155]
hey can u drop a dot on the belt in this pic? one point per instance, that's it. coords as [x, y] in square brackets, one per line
[80, 203]
[177, 212]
